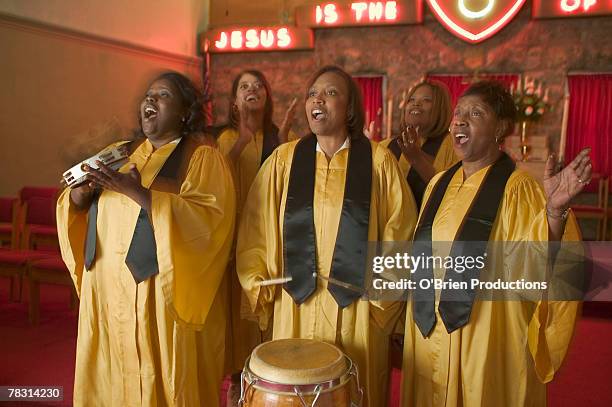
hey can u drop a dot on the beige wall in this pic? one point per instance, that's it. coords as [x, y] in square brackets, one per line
[230, 12]
[65, 95]
[168, 25]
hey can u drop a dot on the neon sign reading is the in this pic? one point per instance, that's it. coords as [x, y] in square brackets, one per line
[368, 12]
[335, 14]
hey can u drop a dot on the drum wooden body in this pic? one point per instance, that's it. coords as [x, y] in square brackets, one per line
[299, 373]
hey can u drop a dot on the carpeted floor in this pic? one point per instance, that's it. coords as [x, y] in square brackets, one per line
[44, 355]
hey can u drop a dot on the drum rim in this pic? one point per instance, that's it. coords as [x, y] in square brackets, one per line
[307, 389]
[251, 379]
[266, 370]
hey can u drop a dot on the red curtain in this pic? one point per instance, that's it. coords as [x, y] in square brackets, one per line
[457, 84]
[371, 89]
[589, 121]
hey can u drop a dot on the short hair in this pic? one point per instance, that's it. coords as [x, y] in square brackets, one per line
[191, 99]
[441, 108]
[268, 125]
[498, 98]
[355, 113]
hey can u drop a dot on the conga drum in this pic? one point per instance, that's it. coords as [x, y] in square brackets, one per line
[299, 373]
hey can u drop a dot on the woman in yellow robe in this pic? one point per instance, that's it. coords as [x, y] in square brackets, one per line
[424, 144]
[158, 342]
[361, 329]
[507, 350]
[249, 139]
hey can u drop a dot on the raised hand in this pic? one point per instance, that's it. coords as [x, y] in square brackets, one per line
[283, 132]
[245, 134]
[369, 131]
[562, 186]
[409, 143]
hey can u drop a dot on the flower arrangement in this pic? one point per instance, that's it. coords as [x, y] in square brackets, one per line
[530, 100]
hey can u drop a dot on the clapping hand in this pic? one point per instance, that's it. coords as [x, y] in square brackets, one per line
[283, 132]
[562, 186]
[369, 131]
[409, 143]
[128, 184]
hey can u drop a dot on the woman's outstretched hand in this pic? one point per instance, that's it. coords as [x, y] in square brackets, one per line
[562, 186]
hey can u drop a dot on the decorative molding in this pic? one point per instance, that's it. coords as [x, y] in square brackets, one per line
[93, 40]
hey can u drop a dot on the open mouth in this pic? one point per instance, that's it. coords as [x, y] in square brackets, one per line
[251, 98]
[150, 112]
[415, 112]
[318, 114]
[461, 138]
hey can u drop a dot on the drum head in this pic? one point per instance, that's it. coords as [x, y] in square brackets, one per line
[297, 361]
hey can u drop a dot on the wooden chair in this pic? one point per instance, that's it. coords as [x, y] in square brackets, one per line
[50, 270]
[599, 212]
[13, 260]
[13, 264]
[38, 217]
[9, 213]
[39, 225]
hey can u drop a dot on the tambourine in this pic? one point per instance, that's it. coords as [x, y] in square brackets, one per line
[113, 156]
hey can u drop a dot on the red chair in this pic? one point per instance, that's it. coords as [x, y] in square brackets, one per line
[38, 212]
[9, 211]
[39, 226]
[14, 262]
[37, 192]
[599, 212]
[50, 270]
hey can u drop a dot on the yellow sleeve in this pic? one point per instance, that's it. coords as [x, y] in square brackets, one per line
[397, 211]
[72, 232]
[552, 324]
[397, 215]
[193, 232]
[258, 251]
[226, 140]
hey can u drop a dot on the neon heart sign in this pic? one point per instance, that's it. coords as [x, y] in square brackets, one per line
[475, 20]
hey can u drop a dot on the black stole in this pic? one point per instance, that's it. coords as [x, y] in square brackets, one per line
[471, 240]
[416, 183]
[299, 245]
[141, 258]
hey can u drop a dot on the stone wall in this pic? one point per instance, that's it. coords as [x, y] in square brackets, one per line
[543, 49]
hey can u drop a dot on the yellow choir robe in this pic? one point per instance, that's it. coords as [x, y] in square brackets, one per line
[160, 342]
[508, 349]
[445, 158]
[360, 329]
[243, 332]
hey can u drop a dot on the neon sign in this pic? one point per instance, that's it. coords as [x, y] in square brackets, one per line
[240, 39]
[570, 8]
[476, 14]
[360, 13]
[475, 24]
